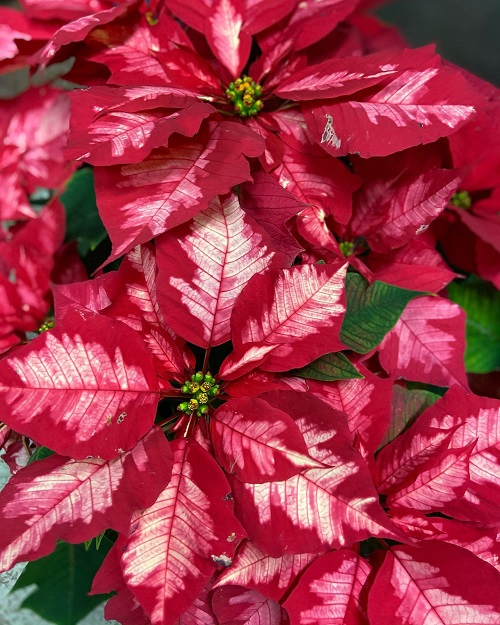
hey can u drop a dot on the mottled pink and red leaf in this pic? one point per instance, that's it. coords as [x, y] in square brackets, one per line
[253, 568]
[320, 509]
[331, 590]
[118, 125]
[434, 582]
[258, 443]
[227, 36]
[416, 107]
[234, 605]
[292, 308]
[192, 529]
[172, 185]
[480, 419]
[74, 500]
[87, 388]
[203, 267]
[427, 343]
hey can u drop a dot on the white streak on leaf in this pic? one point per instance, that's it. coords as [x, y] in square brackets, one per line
[329, 135]
[222, 560]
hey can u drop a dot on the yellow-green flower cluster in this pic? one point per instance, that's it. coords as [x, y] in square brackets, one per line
[346, 247]
[244, 94]
[203, 389]
[461, 199]
[46, 325]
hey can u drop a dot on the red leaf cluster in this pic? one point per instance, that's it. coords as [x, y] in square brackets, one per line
[205, 400]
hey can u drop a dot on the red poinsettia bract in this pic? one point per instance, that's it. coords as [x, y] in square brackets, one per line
[273, 483]
[242, 400]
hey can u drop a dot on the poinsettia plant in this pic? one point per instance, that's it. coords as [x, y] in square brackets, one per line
[237, 341]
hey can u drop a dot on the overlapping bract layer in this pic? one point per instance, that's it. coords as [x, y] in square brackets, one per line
[262, 519]
[61, 499]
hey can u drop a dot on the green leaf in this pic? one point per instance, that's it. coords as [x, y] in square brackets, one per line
[98, 541]
[371, 312]
[63, 578]
[83, 223]
[40, 453]
[481, 302]
[328, 368]
[407, 404]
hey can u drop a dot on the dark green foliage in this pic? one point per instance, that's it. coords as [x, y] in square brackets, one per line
[371, 312]
[64, 578]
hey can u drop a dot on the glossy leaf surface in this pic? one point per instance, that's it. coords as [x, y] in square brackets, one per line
[83, 223]
[63, 579]
[329, 368]
[481, 302]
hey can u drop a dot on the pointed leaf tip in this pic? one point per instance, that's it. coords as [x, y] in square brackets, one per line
[292, 308]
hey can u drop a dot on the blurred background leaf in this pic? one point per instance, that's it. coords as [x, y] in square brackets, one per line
[481, 302]
[466, 32]
[63, 580]
[83, 222]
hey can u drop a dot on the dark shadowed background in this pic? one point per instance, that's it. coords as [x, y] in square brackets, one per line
[467, 32]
